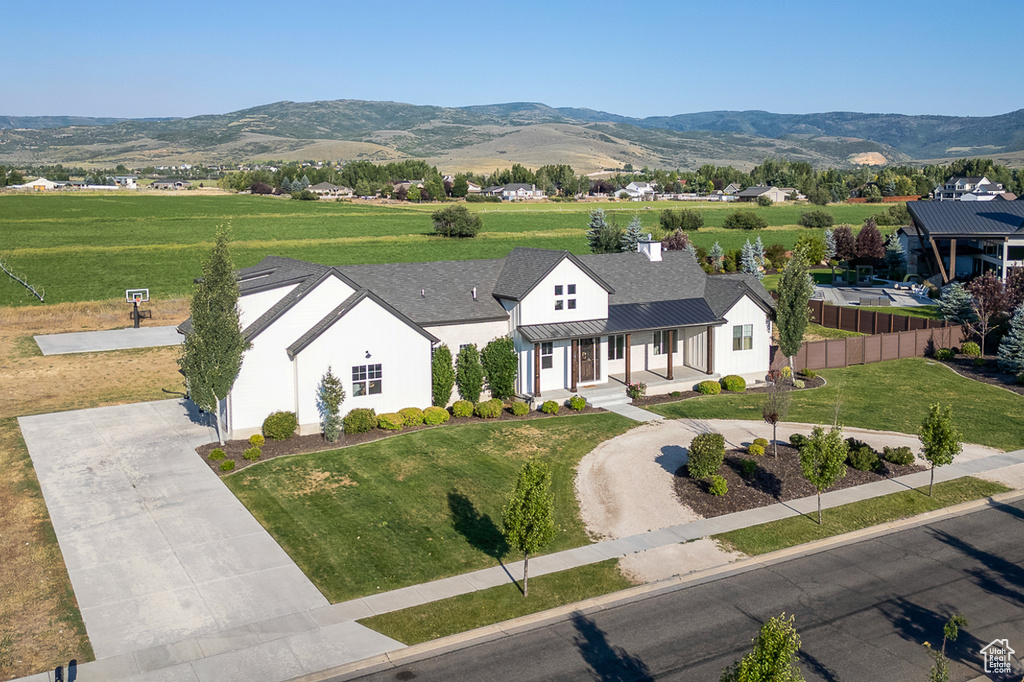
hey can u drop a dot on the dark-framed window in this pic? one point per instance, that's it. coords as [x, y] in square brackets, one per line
[571, 289]
[661, 342]
[558, 290]
[572, 304]
[559, 304]
[547, 355]
[742, 337]
[617, 347]
[367, 380]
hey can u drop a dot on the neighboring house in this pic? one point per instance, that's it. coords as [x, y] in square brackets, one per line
[976, 188]
[474, 188]
[732, 188]
[40, 185]
[964, 238]
[514, 191]
[328, 189]
[171, 184]
[776, 194]
[576, 321]
[639, 191]
[125, 181]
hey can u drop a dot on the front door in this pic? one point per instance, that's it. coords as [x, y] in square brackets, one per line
[590, 362]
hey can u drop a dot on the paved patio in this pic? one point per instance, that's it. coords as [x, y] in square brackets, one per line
[113, 339]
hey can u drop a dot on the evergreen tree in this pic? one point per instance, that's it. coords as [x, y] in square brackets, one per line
[529, 516]
[940, 439]
[830, 244]
[791, 312]
[823, 460]
[500, 366]
[286, 184]
[895, 256]
[692, 250]
[602, 236]
[304, 183]
[759, 251]
[956, 304]
[469, 374]
[717, 256]
[442, 376]
[748, 261]
[1011, 348]
[632, 236]
[330, 394]
[211, 356]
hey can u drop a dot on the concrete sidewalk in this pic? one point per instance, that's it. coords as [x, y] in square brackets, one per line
[114, 339]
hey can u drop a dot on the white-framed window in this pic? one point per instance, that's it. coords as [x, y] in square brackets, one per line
[547, 355]
[742, 337]
[617, 347]
[367, 380]
[661, 342]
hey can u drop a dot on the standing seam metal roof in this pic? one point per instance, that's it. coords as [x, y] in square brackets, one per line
[982, 218]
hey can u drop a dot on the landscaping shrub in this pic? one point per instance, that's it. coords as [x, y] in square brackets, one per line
[360, 420]
[501, 365]
[734, 383]
[412, 415]
[549, 407]
[816, 218]
[456, 221]
[280, 425]
[252, 454]
[676, 394]
[257, 440]
[636, 390]
[901, 455]
[755, 450]
[863, 458]
[462, 408]
[808, 373]
[227, 465]
[718, 486]
[435, 415]
[707, 452]
[765, 201]
[217, 454]
[944, 354]
[709, 387]
[744, 220]
[787, 372]
[520, 408]
[979, 362]
[763, 442]
[489, 409]
[971, 349]
[390, 421]
[798, 383]
[748, 468]
[798, 441]
[577, 402]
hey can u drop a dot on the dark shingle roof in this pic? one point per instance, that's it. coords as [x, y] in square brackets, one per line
[275, 271]
[722, 291]
[290, 299]
[753, 191]
[968, 217]
[635, 279]
[524, 268]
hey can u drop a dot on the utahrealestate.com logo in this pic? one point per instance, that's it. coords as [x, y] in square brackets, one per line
[998, 657]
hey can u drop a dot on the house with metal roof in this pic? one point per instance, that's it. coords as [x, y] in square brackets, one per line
[953, 239]
[580, 324]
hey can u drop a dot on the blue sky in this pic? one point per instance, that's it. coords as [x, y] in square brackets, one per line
[186, 58]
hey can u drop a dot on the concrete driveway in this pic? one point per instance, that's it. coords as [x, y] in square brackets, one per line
[157, 548]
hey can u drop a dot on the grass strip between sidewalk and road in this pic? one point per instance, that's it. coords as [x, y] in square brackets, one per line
[470, 611]
[797, 530]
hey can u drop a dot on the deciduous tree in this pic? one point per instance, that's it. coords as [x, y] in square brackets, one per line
[775, 408]
[529, 516]
[456, 221]
[677, 241]
[773, 658]
[940, 439]
[870, 245]
[846, 246]
[823, 460]
[989, 303]
[791, 312]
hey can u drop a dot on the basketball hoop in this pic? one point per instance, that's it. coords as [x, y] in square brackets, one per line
[135, 297]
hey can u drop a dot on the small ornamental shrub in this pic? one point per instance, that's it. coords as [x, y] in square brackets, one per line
[755, 450]
[901, 455]
[520, 409]
[863, 458]
[390, 421]
[707, 452]
[217, 454]
[636, 390]
[280, 425]
[360, 420]
[763, 442]
[462, 408]
[709, 387]
[798, 383]
[435, 415]
[854, 444]
[787, 372]
[808, 373]
[413, 416]
[971, 349]
[252, 454]
[1020, 379]
[577, 403]
[718, 486]
[798, 441]
[676, 394]
[227, 465]
[257, 440]
[944, 354]
[979, 362]
[748, 468]
[489, 409]
[734, 383]
[549, 407]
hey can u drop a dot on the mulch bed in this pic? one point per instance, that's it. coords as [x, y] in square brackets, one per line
[776, 480]
[816, 382]
[301, 445]
[989, 373]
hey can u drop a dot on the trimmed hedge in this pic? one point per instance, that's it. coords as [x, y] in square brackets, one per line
[435, 415]
[734, 383]
[280, 425]
[360, 420]
[748, 468]
[707, 452]
[462, 408]
[489, 409]
[944, 354]
[577, 402]
[798, 441]
[390, 421]
[549, 407]
[413, 416]
[709, 387]
[519, 408]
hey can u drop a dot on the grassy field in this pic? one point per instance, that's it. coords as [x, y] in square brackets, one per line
[888, 396]
[92, 247]
[477, 609]
[797, 530]
[416, 507]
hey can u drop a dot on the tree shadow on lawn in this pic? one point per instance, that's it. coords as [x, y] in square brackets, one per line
[477, 528]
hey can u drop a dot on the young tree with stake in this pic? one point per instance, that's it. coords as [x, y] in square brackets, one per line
[823, 460]
[775, 409]
[528, 518]
[940, 440]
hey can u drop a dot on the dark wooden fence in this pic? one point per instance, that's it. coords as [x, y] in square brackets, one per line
[891, 337]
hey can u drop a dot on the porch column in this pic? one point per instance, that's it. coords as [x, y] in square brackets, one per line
[671, 334]
[575, 371]
[711, 350]
[952, 258]
[938, 259]
[1006, 253]
[536, 370]
[628, 359]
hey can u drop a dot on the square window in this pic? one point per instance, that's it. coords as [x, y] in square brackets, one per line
[366, 380]
[547, 352]
[559, 304]
[571, 289]
[558, 290]
[572, 304]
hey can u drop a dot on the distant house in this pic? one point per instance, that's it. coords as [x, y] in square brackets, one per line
[40, 185]
[776, 194]
[331, 190]
[639, 191]
[732, 188]
[474, 188]
[514, 191]
[125, 181]
[968, 189]
[171, 184]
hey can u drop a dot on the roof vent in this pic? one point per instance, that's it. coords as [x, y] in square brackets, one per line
[474, 293]
[423, 293]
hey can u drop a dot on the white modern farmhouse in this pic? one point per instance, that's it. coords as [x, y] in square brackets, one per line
[578, 322]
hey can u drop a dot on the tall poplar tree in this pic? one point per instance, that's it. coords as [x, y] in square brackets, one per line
[791, 311]
[211, 356]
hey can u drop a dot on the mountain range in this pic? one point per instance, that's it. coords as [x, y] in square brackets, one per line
[482, 138]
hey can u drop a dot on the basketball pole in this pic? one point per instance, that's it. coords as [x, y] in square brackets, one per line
[135, 312]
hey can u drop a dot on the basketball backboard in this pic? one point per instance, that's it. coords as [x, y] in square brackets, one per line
[136, 295]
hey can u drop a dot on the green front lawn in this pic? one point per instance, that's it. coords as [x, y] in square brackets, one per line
[888, 396]
[797, 530]
[477, 609]
[418, 506]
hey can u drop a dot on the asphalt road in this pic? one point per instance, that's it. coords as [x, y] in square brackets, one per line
[862, 611]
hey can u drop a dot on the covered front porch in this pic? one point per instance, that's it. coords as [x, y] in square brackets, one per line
[614, 389]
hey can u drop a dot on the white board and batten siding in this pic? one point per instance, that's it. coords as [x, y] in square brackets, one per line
[252, 306]
[480, 333]
[752, 364]
[266, 382]
[538, 306]
[401, 351]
